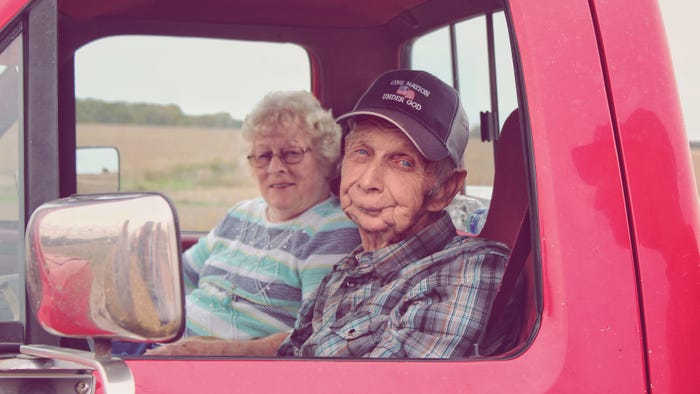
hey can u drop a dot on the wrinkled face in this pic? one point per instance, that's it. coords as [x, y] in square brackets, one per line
[384, 185]
[288, 189]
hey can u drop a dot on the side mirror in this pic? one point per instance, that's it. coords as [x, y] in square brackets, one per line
[107, 266]
[97, 169]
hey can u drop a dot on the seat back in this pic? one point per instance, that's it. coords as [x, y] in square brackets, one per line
[507, 220]
[509, 200]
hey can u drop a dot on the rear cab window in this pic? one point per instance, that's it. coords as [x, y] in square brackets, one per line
[172, 109]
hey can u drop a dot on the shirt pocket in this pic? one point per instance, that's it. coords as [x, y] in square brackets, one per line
[360, 333]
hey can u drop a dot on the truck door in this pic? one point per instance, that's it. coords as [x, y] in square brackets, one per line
[660, 188]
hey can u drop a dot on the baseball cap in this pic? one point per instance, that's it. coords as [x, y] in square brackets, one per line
[426, 109]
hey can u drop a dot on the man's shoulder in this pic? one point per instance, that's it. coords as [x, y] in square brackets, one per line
[464, 260]
[241, 209]
[470, 245]
[252, 210]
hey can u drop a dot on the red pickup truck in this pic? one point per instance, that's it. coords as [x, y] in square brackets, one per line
[573, 102]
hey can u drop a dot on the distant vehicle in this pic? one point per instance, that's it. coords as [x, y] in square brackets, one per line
[580, 115]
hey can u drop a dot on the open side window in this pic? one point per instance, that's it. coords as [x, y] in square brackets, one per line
[163, 147]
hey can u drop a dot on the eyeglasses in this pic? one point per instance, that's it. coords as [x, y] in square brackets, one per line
[288, 156]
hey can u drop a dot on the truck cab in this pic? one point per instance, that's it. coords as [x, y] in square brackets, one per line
[577, 150]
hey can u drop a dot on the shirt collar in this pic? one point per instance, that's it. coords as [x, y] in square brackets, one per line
[388, 260]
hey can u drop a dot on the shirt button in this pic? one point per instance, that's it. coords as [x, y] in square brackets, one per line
[351, 332]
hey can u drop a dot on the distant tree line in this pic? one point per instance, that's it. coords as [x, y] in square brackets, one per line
[98, 111]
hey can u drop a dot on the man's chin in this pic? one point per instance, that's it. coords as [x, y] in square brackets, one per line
[371, 225]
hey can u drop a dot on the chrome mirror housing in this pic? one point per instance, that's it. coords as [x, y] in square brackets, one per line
[107, 266]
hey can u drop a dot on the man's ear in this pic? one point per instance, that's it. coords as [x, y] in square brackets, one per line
[443, 196]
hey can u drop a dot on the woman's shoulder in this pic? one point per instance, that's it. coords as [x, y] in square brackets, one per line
[254, 205]
[252, 210]
[327, 215]
[328, 208]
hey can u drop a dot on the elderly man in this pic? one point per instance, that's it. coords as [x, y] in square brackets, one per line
[413, 288]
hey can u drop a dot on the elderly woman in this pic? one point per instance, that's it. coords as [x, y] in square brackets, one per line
[246, 279]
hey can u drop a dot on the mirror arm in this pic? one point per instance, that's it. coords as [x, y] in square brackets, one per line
[114, 373]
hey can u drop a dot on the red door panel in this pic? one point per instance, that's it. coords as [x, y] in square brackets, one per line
[663, 200]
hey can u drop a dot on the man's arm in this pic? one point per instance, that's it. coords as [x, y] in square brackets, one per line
[210, 346]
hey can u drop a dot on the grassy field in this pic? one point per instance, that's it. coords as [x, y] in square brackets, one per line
[204, 171]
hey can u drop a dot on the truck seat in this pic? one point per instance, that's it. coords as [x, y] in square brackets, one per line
[513, 316]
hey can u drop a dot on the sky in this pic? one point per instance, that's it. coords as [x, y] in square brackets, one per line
[204, 91]
[682, 31]
[172, 71]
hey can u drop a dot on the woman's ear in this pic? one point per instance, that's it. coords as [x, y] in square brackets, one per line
[442, 197]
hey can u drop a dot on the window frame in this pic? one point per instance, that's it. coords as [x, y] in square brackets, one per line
[41, 112]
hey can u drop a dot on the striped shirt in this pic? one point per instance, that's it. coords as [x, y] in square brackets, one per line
[247, 278]
[428, 296]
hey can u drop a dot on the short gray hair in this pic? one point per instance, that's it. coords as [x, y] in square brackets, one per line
[282, 109]
[443, 170]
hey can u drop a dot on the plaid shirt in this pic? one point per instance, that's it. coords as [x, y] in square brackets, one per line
[428, 296]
